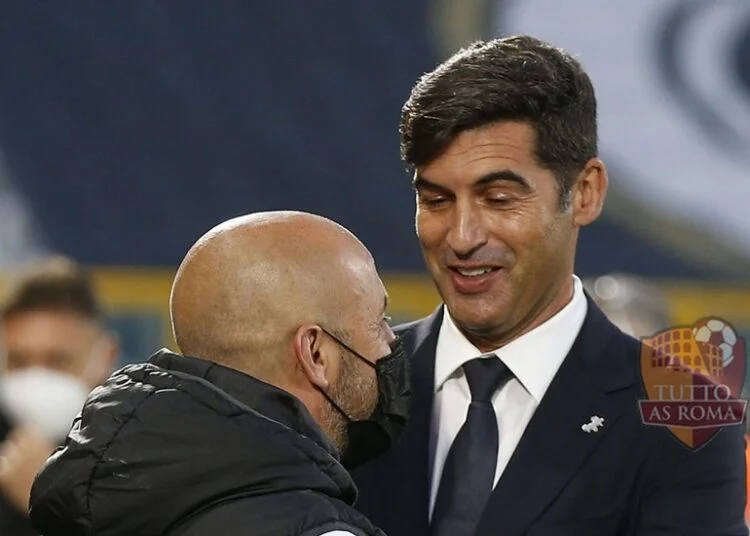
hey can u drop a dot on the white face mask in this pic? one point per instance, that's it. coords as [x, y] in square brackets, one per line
[44, 399]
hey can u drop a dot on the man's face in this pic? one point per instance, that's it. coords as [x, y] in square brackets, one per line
[492, 232]
[56, 340]
[355, 387]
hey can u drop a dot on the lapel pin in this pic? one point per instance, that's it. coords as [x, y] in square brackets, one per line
[593, 425]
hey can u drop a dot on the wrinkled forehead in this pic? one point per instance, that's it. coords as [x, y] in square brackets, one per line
[473, 156]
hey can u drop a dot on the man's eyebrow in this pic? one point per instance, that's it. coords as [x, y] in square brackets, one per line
[378, 324]
[505, 175]
[501, 176]
[420, 182]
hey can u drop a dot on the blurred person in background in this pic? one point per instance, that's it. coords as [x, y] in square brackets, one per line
[55, 350]
[525, 414]
[634, 304]
[288, 373]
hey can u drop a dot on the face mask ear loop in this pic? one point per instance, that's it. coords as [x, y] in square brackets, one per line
[349, 348]
[354, 352]
[335, 405]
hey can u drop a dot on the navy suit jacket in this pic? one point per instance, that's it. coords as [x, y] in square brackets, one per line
[626, 479]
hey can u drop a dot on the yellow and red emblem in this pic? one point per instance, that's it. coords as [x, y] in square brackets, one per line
[693, 376]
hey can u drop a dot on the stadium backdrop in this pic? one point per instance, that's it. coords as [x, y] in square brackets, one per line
[137, 302]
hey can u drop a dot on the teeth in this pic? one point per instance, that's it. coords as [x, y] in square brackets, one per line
[475, 272]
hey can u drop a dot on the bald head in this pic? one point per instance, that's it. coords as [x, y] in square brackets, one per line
[249, 283]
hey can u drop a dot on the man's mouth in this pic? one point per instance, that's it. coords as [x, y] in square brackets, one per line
[474, 279]
[474, 272]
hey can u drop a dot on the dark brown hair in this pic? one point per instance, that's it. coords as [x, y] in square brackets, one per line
[57, 284]
[510, 79]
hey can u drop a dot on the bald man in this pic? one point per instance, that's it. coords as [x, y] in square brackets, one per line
[288, 374]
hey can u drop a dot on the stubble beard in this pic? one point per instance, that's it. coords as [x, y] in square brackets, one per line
[355, 392]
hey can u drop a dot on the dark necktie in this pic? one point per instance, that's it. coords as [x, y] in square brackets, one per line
[469, 470]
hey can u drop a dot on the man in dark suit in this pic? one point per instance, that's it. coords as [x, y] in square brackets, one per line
[525, 415]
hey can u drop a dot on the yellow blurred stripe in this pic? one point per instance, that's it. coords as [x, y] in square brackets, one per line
[133, 289]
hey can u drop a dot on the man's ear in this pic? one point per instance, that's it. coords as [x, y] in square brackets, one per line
[105, 355]
[309, 348]
[589, 192]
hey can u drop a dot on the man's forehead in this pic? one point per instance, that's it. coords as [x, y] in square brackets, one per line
[504, 145]
[51, 324]
[374, 302]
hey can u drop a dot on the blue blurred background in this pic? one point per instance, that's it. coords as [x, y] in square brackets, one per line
[127, 129]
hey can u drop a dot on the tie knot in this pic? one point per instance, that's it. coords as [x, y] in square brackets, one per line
[485, 376]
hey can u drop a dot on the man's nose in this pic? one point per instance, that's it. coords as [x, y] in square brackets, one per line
[468, 231]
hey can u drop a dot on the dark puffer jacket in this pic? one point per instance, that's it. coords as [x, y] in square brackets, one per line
[181, 446]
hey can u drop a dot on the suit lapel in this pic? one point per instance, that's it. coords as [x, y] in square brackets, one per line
[410, 458]
[591, 381]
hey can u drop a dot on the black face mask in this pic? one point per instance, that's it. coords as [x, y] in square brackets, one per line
[368, 439]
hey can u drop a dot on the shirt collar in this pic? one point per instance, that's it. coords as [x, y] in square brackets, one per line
[534, 357]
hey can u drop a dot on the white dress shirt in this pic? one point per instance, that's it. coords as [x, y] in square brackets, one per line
[533, 358]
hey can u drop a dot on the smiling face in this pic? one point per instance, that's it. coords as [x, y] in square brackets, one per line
[494, 236]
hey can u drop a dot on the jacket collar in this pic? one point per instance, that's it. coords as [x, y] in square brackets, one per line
[266, 399]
